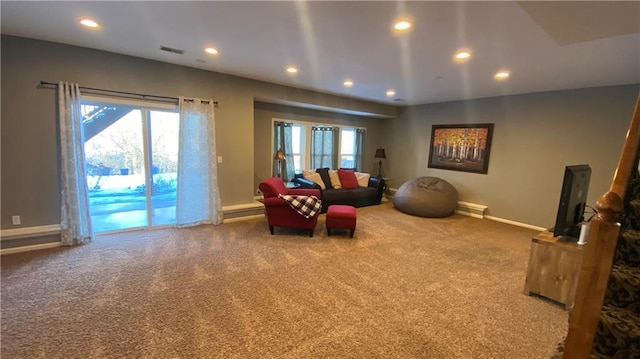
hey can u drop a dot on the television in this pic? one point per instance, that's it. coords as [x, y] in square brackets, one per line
[573, 200]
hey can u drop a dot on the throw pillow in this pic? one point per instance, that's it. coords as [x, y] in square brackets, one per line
[324, 174]
[335, 179]
[315, 177]
[348, 179]
[363, 179]
[306, 173]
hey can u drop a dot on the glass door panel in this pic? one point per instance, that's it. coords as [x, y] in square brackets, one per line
[114, 155]
[163, 129]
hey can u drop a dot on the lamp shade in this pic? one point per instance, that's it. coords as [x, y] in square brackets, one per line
[279, 155]
[380, 153]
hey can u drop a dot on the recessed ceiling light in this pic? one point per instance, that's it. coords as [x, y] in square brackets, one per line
[402, 25]
[89, 23]
[391, 93]
[502, 75]
[211, 50]
[348, 83]
[292, 70]
[462, 55]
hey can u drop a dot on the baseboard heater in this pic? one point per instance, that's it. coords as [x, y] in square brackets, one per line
[471, 209]
[243, 212]
[29, 232]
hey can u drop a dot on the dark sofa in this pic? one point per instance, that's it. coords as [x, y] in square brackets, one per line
[357, 197]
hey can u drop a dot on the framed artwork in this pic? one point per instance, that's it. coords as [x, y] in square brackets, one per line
[461, 147]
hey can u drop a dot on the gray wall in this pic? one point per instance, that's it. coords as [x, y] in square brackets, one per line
[265, 112]
[30, 176]
[535, 137]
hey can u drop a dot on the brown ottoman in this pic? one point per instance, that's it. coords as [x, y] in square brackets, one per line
[341, 216]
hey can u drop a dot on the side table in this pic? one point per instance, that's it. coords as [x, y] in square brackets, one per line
[387, 180]
[554, 268]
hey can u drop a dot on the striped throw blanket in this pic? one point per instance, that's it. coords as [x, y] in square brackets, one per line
[307, 206]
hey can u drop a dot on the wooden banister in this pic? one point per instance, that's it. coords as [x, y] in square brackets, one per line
[629, 150]
[599, 250]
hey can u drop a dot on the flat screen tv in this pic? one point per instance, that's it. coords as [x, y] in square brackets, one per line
[573, 200]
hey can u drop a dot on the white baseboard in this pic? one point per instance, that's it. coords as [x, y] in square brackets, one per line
[477, 211]
[29, 248]
[28, 232]
[519, 224]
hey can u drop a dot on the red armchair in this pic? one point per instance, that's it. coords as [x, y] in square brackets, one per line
[279, 212]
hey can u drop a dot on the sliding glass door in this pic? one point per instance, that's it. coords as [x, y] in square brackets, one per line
[131, 159]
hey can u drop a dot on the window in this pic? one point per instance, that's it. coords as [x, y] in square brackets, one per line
[298, 141]
[347, 148]
[321, 145]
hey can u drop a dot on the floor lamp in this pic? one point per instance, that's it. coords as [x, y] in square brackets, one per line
[278, 158]
[380, 154]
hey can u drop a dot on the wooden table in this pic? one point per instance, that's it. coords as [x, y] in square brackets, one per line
[554, 267]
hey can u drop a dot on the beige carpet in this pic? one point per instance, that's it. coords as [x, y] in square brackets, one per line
[404, 287]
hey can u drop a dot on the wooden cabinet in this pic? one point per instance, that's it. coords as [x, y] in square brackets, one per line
[554, 267]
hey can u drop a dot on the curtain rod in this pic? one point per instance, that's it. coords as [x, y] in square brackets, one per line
[144, 96]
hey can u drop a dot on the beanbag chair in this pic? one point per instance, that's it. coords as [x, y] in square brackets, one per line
[426, 197]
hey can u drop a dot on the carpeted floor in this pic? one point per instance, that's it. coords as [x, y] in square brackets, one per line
[403, 287]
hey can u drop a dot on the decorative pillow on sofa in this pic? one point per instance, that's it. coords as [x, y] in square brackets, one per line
[348, 179]
[363, 179]
[313, 176]
[324, 174]
[335, 179]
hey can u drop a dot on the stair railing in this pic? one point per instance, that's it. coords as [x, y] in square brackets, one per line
[599, 250]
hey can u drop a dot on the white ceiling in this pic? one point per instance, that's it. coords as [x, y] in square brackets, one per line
[545, 45]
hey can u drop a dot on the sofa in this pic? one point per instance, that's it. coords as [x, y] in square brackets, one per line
[368, 192]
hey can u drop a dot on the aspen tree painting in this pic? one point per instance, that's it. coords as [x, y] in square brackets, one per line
[461, 147]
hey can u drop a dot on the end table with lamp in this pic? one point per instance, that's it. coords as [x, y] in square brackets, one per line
[386, 188]
[380, 155]
[278, 160]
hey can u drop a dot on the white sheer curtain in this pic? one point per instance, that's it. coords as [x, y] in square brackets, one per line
[75, 220]
[198, 195]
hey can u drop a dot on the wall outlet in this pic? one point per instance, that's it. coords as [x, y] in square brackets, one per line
[15, 220]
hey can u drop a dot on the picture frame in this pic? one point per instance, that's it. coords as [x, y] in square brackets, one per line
[464, 147]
